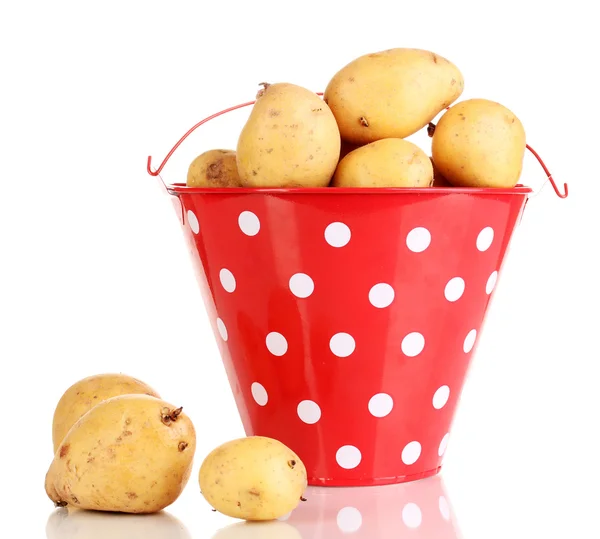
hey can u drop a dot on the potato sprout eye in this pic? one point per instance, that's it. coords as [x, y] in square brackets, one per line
[292, 464]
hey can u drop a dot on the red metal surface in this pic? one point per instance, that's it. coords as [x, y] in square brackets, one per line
[347, 318]
[298, 287]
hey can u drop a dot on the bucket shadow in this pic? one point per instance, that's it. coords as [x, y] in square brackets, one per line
[416, 510]
[77, 524]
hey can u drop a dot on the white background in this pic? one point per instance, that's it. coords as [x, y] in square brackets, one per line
[95, 275]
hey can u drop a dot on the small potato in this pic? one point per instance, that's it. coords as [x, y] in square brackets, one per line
[438, 179]
[392, 93]
[347, 147]
[254, 478]
[479, 143]
[291, 139]
[87, 393]
[128, 454]
[385, 163]
[214, 168]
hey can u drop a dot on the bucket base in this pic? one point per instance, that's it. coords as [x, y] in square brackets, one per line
[371, 482]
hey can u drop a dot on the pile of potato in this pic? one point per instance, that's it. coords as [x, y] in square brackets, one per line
[119, 447]
[355, 136]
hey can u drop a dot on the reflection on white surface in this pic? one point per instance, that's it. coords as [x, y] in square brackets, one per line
[258, 530]
[75, 524]
[416, 510]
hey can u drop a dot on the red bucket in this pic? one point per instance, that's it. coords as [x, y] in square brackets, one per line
[347, 318]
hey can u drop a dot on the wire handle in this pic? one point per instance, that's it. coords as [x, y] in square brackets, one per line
[430, 130]
[550, 178]
[180, 141]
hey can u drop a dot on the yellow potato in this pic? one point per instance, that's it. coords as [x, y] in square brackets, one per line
[254, 478]
[129, 454]
[214, 168]
[392, 93]
[479, 143]
[391, 162]
[347, 147]
[438, 179]
[291, 139]
[87, 393]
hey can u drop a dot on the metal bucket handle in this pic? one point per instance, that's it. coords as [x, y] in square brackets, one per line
[156, 173]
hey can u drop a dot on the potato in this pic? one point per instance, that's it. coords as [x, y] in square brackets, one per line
[129, 454]
[392, 93]
[76, 524]
[291, 139]
[391, 162]
[347, 147]
[214, 168]
[87, 393]
[254, 478]
[479, 143]
[438, 179]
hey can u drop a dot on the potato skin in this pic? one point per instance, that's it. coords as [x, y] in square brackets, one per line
[254, 478]
[214, 168]
[87, 393]
[479, 143]
[392, 93]
[129, 454]
[291, 139]
[385, 163]
[438, 179]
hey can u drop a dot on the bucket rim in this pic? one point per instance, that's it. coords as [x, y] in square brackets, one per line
[182, 189]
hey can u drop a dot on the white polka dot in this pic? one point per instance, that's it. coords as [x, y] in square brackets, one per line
[348, 457]
[259, 394]
[227, 280]
[485, 238]
[381, 295]
[193, 221]
[413, 344]
[349, 520]
[301, 285]
[418, 239]
[276, 343]
[443, 445]
[342, 344]
[381, 405]
[285, 517]
[491, 282]
[454, 289]
[444, 508]
[309, 412]
[249, 223]
[337, 234]
[440, 398]
[411, 515]
[222, 329]
[411, 453]
[470, 341]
